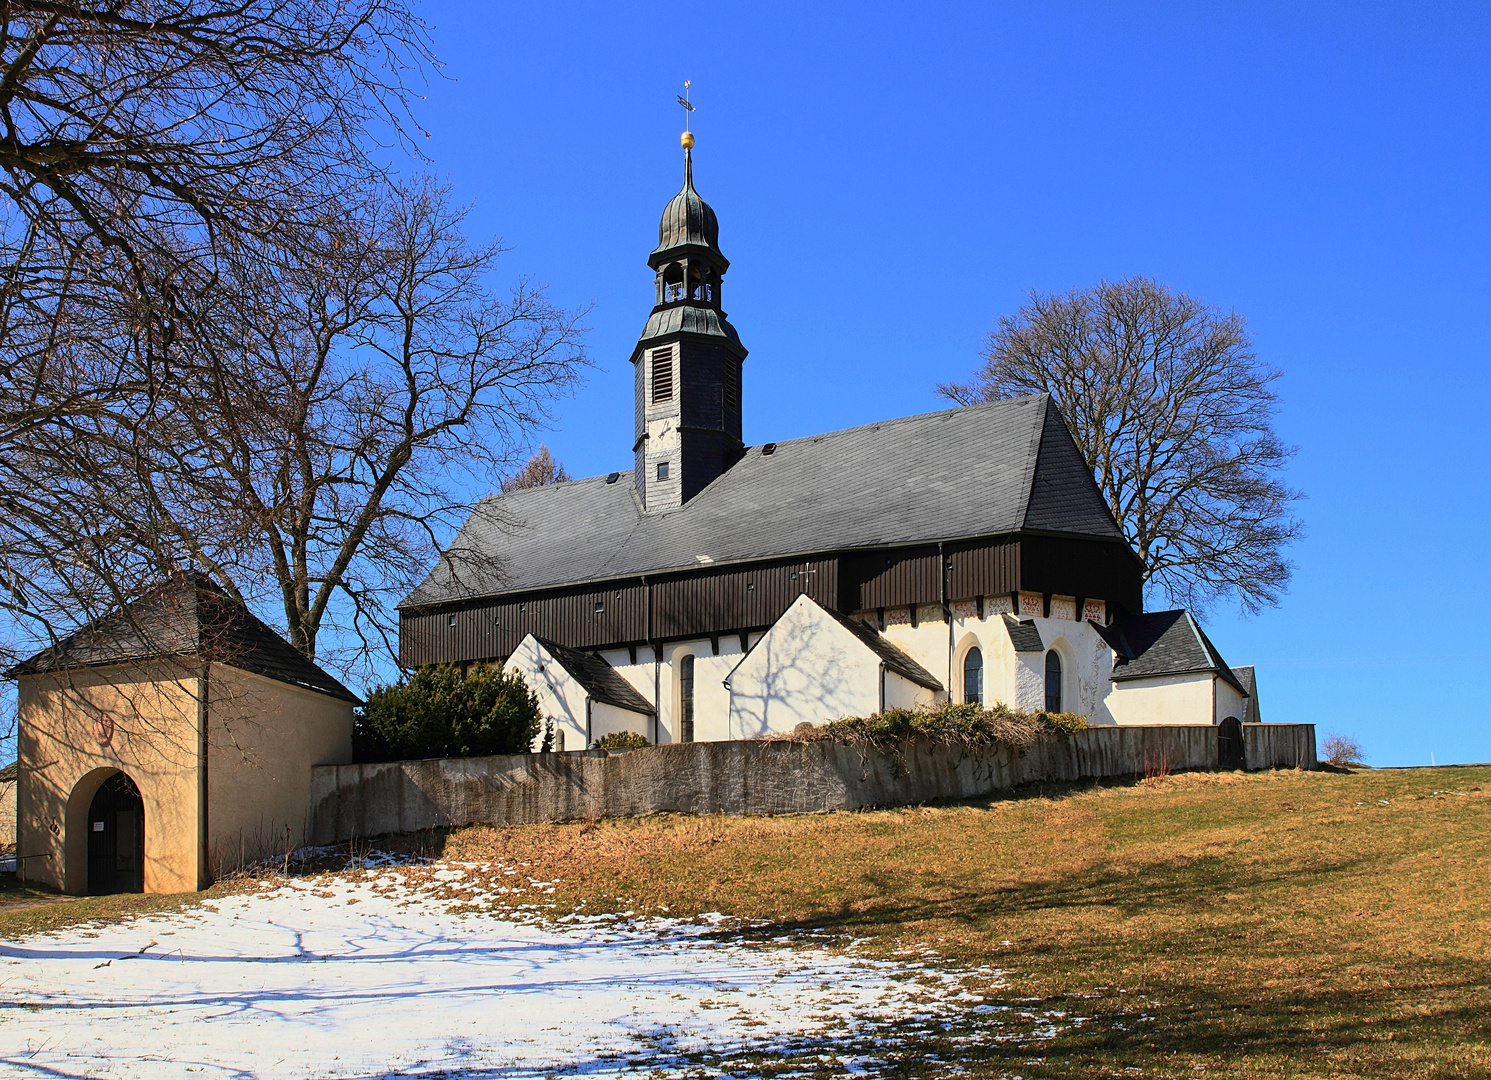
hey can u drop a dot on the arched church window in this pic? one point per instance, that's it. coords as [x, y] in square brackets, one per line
[973, 677]
[1053, 681]
[686, 698]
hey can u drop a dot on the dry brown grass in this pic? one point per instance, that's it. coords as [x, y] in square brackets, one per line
[1285, 924]
[1269, 925]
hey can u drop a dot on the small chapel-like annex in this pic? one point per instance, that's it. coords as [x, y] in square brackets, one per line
[723, 591]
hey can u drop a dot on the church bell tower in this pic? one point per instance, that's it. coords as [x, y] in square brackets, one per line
[688, 360]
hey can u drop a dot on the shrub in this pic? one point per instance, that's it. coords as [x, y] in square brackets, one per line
[1341, 751]
[622, 740]
[438, 713]
[966, 726]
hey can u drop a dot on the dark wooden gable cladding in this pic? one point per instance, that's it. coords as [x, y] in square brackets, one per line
[491, 629]
[1074, 566]
[713, 601]
[739, 598]
[905, 576]
[890, 578]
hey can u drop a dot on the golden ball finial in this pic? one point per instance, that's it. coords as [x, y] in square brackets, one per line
[687, 139]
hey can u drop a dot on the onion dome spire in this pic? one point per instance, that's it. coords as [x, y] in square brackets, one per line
[688, 356]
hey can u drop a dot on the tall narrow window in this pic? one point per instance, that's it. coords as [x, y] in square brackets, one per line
[662, 375]
[973, 677]
[1053, 682]
[686, 698]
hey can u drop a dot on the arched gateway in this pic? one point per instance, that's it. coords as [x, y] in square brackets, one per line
[116, 838]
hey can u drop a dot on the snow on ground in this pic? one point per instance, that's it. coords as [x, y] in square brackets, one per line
[399, 973]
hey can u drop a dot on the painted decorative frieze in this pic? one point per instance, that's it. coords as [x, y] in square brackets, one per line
[897, 616]
[1095, 611]
[998, 605]
[929, 613]
[965, 609]
[1031, 605]
[1063, 607]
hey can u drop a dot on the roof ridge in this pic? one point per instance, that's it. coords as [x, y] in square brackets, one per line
[895, 420]
[867, 426]
[1215, 656]
[1033, 456]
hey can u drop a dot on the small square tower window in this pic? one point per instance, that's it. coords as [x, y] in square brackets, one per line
[450, 620]
[600, 607]
[662, 470]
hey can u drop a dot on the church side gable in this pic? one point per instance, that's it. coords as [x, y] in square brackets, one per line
[808, 668]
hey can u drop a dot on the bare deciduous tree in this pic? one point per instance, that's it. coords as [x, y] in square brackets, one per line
[541, 469]
[1174, 413]
[145, 147]
[132, 126]
[331, 414]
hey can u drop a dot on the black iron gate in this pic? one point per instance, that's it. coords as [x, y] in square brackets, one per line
[116, 838]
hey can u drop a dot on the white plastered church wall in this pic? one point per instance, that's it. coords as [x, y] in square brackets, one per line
[564, 700]
[1229, 701]
[1014, 679]
[711, 696]
[560, 697]
[902, 693]
[606, 719]
[1086, 664]
[638, 675]
[807, 668]
[1030, 681]
[926, 642]
[1164, 699]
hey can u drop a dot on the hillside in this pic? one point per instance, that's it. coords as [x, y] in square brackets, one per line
[1277, 924]
[1284, 924]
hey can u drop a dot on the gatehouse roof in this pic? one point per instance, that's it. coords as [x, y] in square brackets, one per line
[189, 615]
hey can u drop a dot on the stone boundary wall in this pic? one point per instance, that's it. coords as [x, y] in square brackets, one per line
[749, 777]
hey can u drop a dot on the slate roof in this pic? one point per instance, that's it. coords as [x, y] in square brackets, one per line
[10, 772]
[976, 471]
[1249, 679]
[889, 653]
[1163, 643]
[1024, 636]
[188, 616]
[599, 678]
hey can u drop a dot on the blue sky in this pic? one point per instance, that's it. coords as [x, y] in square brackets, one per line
[890, 180]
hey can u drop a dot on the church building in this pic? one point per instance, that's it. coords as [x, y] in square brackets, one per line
[723, 591]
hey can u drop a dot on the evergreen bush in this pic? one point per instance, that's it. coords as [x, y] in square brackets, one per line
[437, 713]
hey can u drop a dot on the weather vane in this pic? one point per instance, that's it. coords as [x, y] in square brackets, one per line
[683, 99]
